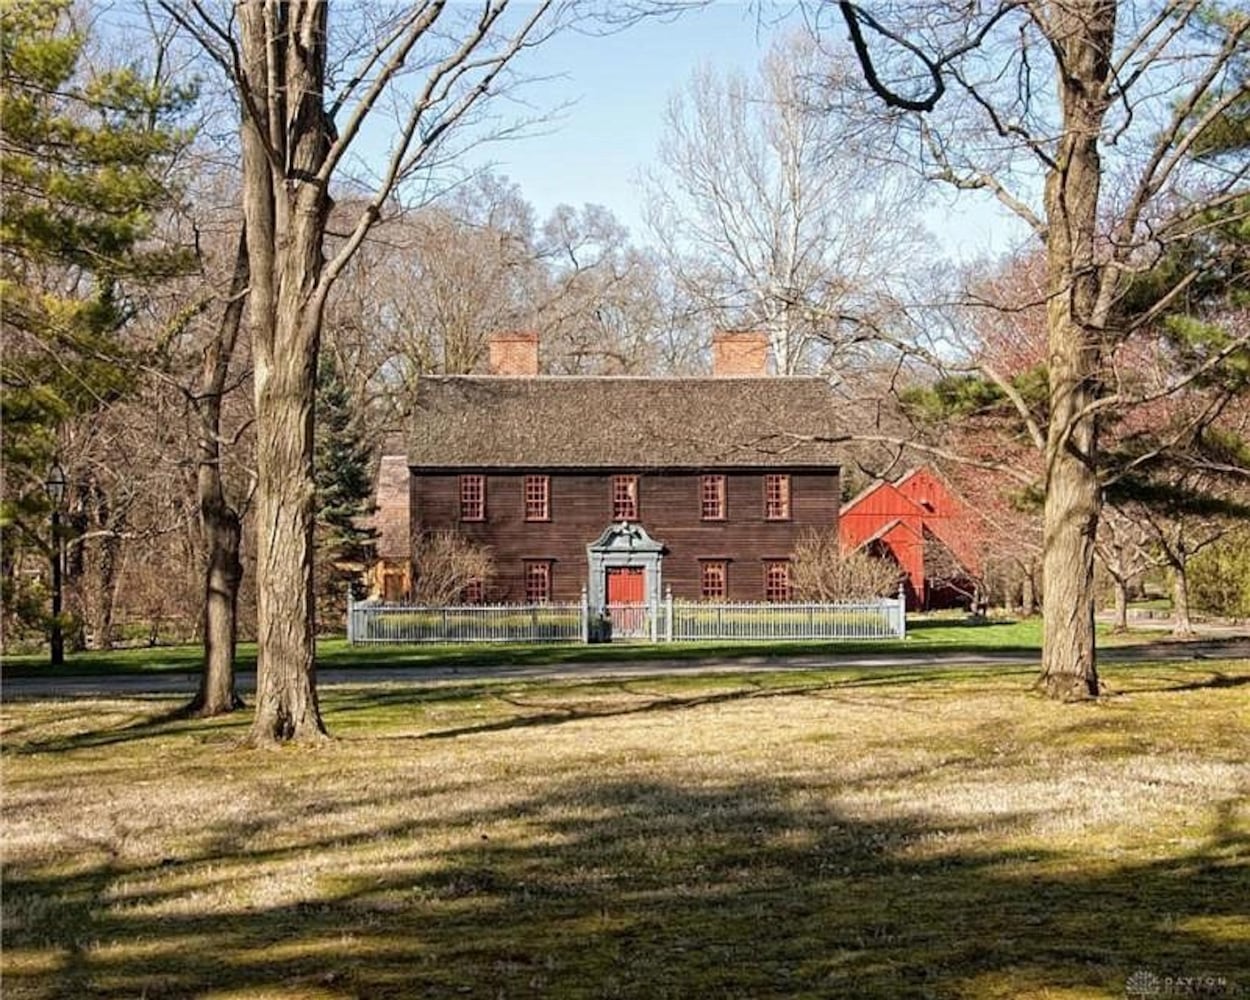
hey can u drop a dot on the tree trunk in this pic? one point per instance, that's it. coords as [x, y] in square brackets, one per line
[224, 571]
[284, 143]
[220, 524]
[1028, 594]
[1083, 34]
[1069, 669]
[101, 555]
[286, 695]
[103, 592]
[1184, 626]
[1121, 604]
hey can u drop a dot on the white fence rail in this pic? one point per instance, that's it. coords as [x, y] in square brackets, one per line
[369, 622]
[660, 621]
[872, 619]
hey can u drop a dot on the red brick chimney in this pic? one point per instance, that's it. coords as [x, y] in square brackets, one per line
[739, 354]
[514, 352]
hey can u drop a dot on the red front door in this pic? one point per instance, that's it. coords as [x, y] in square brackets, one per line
[626, 585]
[626, 596]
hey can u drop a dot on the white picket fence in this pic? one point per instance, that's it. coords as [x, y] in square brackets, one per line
[668, 620]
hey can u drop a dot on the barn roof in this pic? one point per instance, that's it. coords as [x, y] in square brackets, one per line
[872, 488]
[622, 422]
[884, 530]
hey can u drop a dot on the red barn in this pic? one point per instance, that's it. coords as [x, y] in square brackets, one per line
[924, 527]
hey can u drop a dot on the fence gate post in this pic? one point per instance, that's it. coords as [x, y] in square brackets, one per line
[585, 612]
[351, 617]
[902, 612]
[668, 614]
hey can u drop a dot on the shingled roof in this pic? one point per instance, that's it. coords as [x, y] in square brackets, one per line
[599, 422]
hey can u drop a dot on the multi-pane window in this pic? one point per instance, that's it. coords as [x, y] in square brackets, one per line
[537, 581]
[624, 498]
[474, 592]
[712, 498]
[776, 497]
[777, 580]
[473, 498]
[713, 579]
[537, 498]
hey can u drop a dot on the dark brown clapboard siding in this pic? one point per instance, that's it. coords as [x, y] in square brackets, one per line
[668, 509]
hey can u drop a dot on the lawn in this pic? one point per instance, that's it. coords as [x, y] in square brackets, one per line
[856, 833]
[939, 635]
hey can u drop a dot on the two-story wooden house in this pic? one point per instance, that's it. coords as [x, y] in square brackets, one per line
[626, 486]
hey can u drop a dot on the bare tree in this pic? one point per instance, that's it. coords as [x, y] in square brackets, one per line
[307, 99]
[427, 288]
[1123, 549]
[603, 307]
[1178, 516]
[1104, 172]
[773, 217]
[121, 500]
[221, 522]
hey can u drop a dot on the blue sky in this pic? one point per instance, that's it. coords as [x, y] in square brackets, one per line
[621, 85]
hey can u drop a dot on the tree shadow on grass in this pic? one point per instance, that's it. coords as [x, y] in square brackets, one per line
[579, 700]
[1215, 680]
[632, 888]
[632, 698]
[171, 719]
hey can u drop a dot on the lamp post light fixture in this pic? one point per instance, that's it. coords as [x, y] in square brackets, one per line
[55, 487]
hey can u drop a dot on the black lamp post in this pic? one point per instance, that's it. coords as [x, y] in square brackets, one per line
[55, 485]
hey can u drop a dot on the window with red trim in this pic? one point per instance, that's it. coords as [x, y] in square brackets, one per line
[474, 592]
[712, 498]
[473, 498]
[537, 581]
[538, 498]
[624, 498]
[776, 497]
[713, 579]
[777, 580]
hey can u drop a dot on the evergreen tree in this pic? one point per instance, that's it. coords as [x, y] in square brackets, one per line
[84, 161]
[343, 468]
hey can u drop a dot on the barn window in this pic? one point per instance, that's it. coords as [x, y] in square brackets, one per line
[537, 581]
[777, 497]
[624, 498]
[777, 580]
[713, 579]
[473, 498]
[537, 498]
[712, 498]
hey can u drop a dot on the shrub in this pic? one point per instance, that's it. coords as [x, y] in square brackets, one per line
[1219, 577]
[820, 571]
[447, 563]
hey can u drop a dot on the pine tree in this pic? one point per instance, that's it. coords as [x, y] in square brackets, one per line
[343, 469]
[84, 161]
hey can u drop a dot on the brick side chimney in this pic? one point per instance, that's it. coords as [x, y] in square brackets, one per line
[390, 517]
[739, 354]
[514, 352]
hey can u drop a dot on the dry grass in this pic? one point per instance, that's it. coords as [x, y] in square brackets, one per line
[847, 834]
